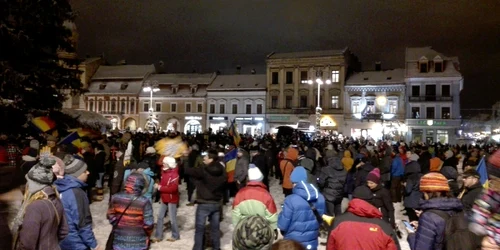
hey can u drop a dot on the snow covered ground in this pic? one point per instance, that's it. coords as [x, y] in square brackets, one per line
[186, 220]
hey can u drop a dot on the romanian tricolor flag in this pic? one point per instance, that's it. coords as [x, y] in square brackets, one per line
[70, 138]
[233, 132]
[483, 174]
[230, 160]
[83, 132]
[43, 123]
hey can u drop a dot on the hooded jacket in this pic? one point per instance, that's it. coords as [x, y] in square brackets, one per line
[308, 165]
[210, 182]
[451, 174]
[412, 194]
[332, 180]
[347, 160]
[361, 227]
[254, 199]
[431, 227]
[149, 178]
[287, 166]
[397, 167]
[169, 185]
[382, 201]
[297, 220]
[77, 211]
[385, 165]
[362, 172]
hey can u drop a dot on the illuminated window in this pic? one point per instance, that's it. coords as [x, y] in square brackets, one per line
[335, 101]
[335, 75]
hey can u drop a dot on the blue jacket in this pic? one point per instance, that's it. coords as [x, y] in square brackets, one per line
[148, 175]
[397, 167]
[430, 224]
[297, 220]
[77, 211]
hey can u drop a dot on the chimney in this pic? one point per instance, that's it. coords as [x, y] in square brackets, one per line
[238, 69]
[254, 72]
[378, 66]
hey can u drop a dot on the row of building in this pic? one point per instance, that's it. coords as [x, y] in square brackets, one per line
[419, 102]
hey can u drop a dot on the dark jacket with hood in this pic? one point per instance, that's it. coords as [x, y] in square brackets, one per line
[425, 162]
[332, 180]
[431, 226]
[470, 195]
[362, 172]
[382, 201]
[412, 194]
[78, 216]
[385, 165]
[210, 182]
[451, 174]
[309, 165]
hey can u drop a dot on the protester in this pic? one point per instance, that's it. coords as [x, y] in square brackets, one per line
[381, 197]
[253, 233]
[287, 165]
[472, 189]
[332, 179]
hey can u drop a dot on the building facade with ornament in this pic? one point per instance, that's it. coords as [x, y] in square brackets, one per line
[292, 90]
[114, 93]
[177, 102]
[433, 83]
[239, 98]
[375, 104]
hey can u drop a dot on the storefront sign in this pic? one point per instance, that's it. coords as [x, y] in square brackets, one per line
[258, 118]
[279, 118]
[433, 123]
[218, 118]
[243, 118]
[193, 118]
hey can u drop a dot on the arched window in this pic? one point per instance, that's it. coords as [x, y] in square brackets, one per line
[132, 106]
[123, 105]
[91, 105]
[113, 105]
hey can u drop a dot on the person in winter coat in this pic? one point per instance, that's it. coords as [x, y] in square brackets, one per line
[385, 166]
[259, 160]
[361, 226]
[142, 168]
[100, 159]
[331, 180]
[287, 165]
[169, 191]
[451, 174]
[40, 223]
[194, 161]
[347, 160]
[253, 232]
[412, 194]
[136, 225]
[241, 170]
[450, 159]
[425, 160]
[309, 164]
[362, 170]
[431, 226]
[297, 220]
[381, 197]
[397, 173]
[76, 206]
[472, 189]
[254, 199]
[210, 181]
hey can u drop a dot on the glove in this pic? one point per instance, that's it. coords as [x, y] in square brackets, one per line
[275, 234]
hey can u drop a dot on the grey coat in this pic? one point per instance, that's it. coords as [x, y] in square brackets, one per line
[241, 170]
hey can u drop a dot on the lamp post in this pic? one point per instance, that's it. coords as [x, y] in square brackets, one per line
[152, 123]
[319, 81]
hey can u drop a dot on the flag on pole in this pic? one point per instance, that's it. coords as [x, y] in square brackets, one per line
[481, 169]
[233, 132]
[43, 123]
[69, 139]
[230, 160]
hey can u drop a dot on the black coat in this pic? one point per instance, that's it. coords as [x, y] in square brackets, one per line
[261, 163]
[425, 162]
[210, 182]
[362, 172]
[470, 195]
[332, 179]
[382, 201]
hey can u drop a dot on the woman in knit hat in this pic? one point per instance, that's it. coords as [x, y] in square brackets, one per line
[381, 197]
[430, 226]
[253, 233]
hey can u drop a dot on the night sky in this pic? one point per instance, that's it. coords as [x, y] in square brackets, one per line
[218, 35]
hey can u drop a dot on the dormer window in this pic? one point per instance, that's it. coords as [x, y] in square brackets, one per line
[124, 86]
[175, 88]
[438, 66]
[102, 86]
[423, 65]
[194, 88]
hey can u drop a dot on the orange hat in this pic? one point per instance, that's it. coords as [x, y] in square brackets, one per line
[436, 164]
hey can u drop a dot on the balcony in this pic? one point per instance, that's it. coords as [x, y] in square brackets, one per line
[111, 112]
[430, 98]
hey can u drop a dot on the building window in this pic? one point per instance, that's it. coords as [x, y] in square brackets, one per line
[442, 136]
[335, 101]
[423, 67]
[222, 108]
[274, 77]
[288, 101]
[430, 112]
[289, 77]
[113, 105]
[370, 107]
[303, 101]
[355, 107]
[438, 66]
[200, 108]
[173, 107]
[335, 75]
[393, 107]
[132, 106]
[212, 108]
[249, 108]
[274, 102]
[235, 108]
[259, 108]
[188, 107]
[415, 91]
[415, 112]
[145, 107]
[303, 76]
[123, 105]
[445, 113]
[99, 105]
[445, 90]
[158, 107]
[430, 90]
[91, 105]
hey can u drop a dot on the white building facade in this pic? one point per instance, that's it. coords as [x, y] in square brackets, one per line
[433, 83]
[238, 98]
[375, 105]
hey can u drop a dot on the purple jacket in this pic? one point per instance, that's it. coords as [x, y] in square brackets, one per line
[430, 224]
[40, 229]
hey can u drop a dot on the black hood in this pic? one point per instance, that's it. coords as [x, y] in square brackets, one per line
[215, 168]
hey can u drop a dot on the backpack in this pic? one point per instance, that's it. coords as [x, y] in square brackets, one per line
[456, 233]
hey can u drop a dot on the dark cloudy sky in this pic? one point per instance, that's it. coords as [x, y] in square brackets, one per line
[218, 35]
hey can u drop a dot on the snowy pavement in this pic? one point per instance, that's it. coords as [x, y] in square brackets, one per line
[186, 220]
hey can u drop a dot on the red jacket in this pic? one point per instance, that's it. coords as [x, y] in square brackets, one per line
[169, 186]
[361, 227]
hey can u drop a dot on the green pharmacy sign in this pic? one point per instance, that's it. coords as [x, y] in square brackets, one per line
[431, 123]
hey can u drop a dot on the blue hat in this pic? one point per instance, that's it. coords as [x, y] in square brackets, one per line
[298, 174]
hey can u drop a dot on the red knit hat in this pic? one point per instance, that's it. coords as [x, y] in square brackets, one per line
[434, 182]
[374, 176]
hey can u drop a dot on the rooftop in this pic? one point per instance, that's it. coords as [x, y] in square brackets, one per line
[182, 78]
[115, 87]
[238, 82]
[394, 76]
[123, 72]
[307, 54]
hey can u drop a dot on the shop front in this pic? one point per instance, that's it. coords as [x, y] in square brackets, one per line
[275, 121]
[250, 125]
[433, 131]
[377, 130]
[218, 123]
[193, 124]
[173, 124]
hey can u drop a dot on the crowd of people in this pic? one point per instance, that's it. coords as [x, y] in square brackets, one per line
[438, 186]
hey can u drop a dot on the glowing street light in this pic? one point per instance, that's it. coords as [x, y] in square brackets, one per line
[319, 81]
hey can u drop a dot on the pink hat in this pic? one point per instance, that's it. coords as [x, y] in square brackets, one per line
[374, 176]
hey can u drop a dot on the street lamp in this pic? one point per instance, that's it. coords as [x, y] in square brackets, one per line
[319, 81]
[151, 86]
